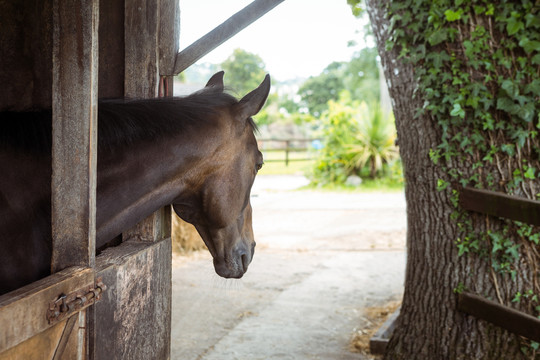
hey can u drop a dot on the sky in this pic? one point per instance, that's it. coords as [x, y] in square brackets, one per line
[298, 38]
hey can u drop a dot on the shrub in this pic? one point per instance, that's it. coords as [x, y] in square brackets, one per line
[358, 140]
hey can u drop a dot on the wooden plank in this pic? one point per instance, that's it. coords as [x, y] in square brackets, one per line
[74, 132]
[222, 33]
[133, 316]
[111, 49]
[503, 316]
[23, 311]
[501, 205]
[379, 341]
[141, 33]
[169, 35]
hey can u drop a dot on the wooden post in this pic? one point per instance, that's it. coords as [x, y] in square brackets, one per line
[74, 107]
[141, 80]
[287, 143]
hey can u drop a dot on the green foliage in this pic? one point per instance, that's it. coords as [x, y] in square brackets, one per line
[317, 91]
[357, 141]
[244, 71]
[374, 145]
[477, 66]
[360, 77]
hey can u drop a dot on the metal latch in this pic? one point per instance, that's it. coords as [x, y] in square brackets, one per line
[66, 305]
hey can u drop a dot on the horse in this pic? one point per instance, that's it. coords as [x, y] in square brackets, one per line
[197, 153]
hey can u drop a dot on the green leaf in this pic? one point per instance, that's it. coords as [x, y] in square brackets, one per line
[453, 15]
[457, 111]
[529, 45]
[438, 36]
[513, 24]
[529, 174]
[442, 185]
[511, 89]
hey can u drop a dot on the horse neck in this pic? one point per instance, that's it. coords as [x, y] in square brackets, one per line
[135, 182]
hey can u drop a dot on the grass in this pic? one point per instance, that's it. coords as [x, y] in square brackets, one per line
[368, 185]
[274, 163]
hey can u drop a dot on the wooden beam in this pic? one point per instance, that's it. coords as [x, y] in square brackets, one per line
[379, 341]
[141, 34]
[169, 34]
[23, 311]
[501, 205]
[74, 107]
[222, 33]
[505, 317]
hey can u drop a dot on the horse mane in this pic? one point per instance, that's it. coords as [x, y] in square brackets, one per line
[121, 122]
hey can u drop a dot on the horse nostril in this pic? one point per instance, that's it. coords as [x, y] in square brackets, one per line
[245, 262]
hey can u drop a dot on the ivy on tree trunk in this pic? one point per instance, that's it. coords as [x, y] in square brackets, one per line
[463, 79]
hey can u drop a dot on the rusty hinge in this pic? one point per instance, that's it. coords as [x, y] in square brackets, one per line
[66, 305]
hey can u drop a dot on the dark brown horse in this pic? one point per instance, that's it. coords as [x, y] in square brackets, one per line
[197, 153]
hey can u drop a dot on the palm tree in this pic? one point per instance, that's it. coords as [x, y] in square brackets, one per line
[374, 145]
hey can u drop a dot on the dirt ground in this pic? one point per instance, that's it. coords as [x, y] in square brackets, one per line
[323, 263]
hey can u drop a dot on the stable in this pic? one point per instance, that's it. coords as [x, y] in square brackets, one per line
[64, 55]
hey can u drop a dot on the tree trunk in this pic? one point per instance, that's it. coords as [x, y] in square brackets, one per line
[430, 326]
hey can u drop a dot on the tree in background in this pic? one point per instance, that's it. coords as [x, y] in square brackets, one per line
[464, 84]
[360, 77]
[318, 90]
[243, 71]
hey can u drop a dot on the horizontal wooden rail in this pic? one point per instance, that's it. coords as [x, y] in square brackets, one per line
[222, 33]
[503, 316]
[501, 205]
[287, 148]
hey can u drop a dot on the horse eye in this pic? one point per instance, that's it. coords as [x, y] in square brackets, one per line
[259, 166]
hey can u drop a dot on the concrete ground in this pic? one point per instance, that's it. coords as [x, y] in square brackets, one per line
[321, 258]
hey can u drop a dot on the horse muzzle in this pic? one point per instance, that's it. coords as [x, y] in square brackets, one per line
[235, 263]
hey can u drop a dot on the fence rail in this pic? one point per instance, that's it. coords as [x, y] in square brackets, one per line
[289, 145]
[513, 208]
[494, 204]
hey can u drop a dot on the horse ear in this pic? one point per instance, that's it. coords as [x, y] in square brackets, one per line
[253, 102]
[216, 80]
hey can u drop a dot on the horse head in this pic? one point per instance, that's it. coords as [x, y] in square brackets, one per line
[220, 209]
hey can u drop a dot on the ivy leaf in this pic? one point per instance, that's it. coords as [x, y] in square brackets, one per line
[529, 45]
[438, 36]
[529, 174]
[526, 112]
[513, 24]
[532, 20]
[508, 149]
[453, 15]
[511, 89]
[458, 111]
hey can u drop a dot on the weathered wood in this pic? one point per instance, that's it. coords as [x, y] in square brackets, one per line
[505, 317]
[23, 311]
[74, 132]
[25, 63]
[222, 33]
[169, 35]
[141, 34]
[501, 205]
[59, 342]
[377, 344]
[133, 316]
[111, 49]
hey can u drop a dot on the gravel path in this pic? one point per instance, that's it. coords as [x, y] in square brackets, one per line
[321, 258]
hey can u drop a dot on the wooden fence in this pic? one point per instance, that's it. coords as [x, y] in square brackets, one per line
[509, 207]
[290, 145]
[499, 205]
